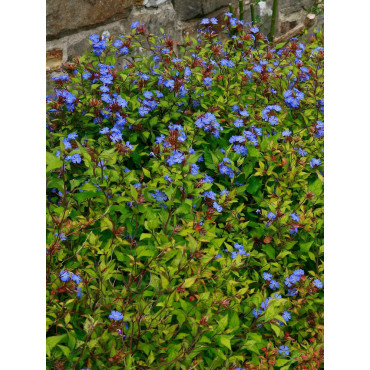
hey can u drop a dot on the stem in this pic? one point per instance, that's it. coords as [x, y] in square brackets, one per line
[273, 19]
[241, 9]
[252, 14]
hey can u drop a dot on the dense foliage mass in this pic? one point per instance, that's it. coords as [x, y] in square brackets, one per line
[185, 203]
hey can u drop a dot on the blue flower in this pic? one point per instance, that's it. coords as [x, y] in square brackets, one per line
[64, 275]
[135, 24]
[208, 123]
[274, 284]
[61, 236]
[124, 50]
[79, 293]
[293, 97]
[76, 278]
[208, 81]
[194, 169]
[116, 137]
[75, 158]
[217, 207]
[118, 43]
[254, 29]
[225, 170]
[176, 157]
[318, 283]
[294, 216]
[148, 94]
[238, 122]
[240, 149]
[315, 162]
[320, 129]
[159, 196]
[169, 84]
[269, 115]
[143, 111]
[207, 179]
[86, 75]
[267, 276]
[286, 315]
[210, 194]
[168, 178]
[227, 63]
[159, 139]
[115, 315]
[286, 133]
[224, 192]
[237, 139]
[284, 350]
[271, 216]
[293, 230]
[302, 152]
[104, 130]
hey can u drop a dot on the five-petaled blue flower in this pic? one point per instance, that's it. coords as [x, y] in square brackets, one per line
[115, 315]
[284, 350]
[315, 162]
[318, 283]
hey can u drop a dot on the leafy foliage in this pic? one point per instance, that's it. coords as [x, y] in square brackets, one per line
[185, 203]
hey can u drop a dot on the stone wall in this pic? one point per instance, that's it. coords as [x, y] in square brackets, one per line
[70, 22]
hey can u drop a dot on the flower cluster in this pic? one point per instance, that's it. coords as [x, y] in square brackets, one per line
[185, 184]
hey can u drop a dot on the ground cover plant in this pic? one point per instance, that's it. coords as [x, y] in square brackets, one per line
[185, 203]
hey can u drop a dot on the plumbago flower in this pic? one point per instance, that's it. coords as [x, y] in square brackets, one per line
[185, 202]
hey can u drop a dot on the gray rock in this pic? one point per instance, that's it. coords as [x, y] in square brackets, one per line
[155, 18]
[287, 7]
[188, 9]
[153, 3]
[78, 43]
[64, 17]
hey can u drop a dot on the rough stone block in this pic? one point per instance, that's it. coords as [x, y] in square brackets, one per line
[78, 43]
[153, 3]
[54, 59]
[288, 7]
[287, 26]
[188, 9]
[64, 17]
[155, 18]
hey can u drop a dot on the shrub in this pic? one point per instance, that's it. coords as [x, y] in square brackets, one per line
[185, 203]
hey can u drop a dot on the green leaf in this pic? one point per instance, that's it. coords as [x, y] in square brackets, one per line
[316, 187]
[165, 282]
[51, 342]
[52, 162]
[222, 324]
[305, 247]
[189, 282]
[281, 361]
[254, 184]
[276, 329]
[66, 351]
[270, 251]
[234, 321]
[133, 192]
[146, 253]
[226, 341]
